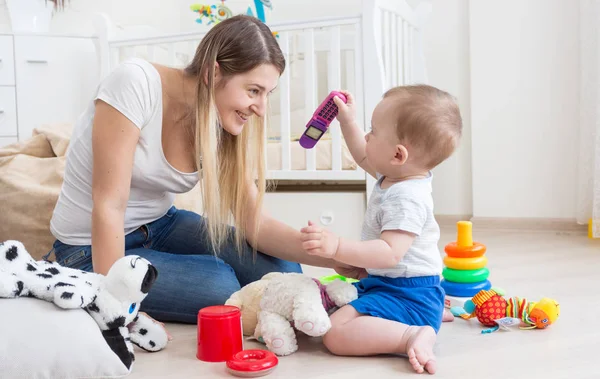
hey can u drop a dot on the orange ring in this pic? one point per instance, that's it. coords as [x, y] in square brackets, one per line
[455, 251]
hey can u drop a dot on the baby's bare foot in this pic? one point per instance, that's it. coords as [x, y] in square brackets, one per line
[419, 349]
[447, 316]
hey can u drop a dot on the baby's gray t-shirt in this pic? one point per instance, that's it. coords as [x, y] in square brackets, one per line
[407, 206]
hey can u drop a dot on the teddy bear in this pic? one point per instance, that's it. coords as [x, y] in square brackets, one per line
[112, 301]
[278, 303]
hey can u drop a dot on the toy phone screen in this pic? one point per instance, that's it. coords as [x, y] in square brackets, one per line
[313, 132]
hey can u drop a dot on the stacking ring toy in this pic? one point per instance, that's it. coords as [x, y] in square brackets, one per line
[465, 289]
[466, 276]
[465, 263]
[455, 251]
[252, 363]
[464, 247]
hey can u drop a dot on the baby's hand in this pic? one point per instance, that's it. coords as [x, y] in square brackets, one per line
[319, 241]
[346, 113]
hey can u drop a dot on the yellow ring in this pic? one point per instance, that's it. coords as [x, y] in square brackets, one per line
[465, 263]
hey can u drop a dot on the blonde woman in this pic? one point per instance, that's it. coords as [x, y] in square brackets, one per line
[153, 131]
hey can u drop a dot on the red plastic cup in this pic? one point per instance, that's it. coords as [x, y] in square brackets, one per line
[220, 333]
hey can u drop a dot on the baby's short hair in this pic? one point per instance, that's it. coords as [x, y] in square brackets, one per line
[427, 119]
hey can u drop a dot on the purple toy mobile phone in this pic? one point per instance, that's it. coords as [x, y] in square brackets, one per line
[318, 124]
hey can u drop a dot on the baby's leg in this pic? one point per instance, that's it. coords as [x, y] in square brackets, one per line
[354, 334]
[447, 316]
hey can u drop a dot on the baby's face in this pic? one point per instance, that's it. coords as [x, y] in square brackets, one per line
[382, 139]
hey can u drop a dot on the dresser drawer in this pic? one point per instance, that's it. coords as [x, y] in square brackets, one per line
[340, 212]
[7, 62]
[8, 112]
[56, 78]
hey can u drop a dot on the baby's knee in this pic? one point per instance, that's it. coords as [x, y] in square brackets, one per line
[331, 340]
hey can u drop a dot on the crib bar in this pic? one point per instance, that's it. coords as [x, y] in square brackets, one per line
[334, 81]
[151, 50]
[411, 56]
[310, 90]
[358, 78]
[172, 56]
[349, 70]
[115, 57]
[401, 52]
[129, 52]
[401, 8]
[387, 47]
[194, 37]
[394, 42]
[357, 175]
[405, 49]
[285, 108]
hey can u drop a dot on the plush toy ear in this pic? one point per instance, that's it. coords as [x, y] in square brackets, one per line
[116, 340]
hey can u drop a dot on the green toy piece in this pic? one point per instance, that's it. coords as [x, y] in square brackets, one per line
[331, 278]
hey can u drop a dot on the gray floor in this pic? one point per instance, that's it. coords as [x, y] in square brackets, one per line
[529, 264]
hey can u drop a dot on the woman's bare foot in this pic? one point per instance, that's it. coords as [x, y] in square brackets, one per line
[419, 349]
[447, 316]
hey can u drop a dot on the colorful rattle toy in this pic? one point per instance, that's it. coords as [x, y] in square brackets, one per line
[318, 124]
[465, 273]
[493, 310]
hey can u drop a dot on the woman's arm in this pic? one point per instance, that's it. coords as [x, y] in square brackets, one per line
[276, 238]
[114, 138]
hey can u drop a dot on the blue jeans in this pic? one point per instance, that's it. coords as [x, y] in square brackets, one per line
[190, 277]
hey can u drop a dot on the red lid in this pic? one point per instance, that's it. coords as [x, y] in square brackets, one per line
[252, 361]
[219, 311]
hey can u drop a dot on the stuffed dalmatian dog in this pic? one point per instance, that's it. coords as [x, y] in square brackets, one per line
[113, 300]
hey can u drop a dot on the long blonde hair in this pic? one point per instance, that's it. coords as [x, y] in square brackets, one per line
[226, 162]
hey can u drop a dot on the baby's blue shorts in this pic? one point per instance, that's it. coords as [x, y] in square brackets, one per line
[412, 301]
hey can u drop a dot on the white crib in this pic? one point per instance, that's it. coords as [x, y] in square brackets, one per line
[366, 54]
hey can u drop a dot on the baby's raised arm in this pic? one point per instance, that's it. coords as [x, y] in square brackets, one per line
[353, 135]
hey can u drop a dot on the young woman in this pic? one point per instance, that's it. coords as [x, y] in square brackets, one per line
[153, 131]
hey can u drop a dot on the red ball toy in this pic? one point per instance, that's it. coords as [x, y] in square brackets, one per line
[491, 310]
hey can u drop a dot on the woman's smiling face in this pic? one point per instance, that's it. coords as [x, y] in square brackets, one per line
[241, 96]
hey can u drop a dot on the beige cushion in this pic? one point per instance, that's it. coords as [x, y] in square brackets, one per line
[40, 340]
[31, 176]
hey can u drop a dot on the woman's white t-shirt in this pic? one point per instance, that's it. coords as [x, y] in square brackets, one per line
[134, 89]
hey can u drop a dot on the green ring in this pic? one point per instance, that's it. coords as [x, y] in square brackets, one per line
[465, 276]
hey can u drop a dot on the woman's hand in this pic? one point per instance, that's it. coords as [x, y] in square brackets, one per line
[319, 241]
[350, 271]
[346, 111]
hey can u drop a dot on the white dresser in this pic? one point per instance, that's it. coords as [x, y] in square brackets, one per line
[43, 79]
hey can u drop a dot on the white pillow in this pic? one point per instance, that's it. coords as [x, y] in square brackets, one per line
[40, 340]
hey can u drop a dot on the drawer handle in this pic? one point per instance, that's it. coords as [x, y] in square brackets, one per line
[37, 61]
[327, 218]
